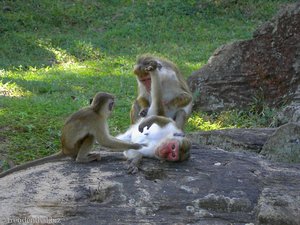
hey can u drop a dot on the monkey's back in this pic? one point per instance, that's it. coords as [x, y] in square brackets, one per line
[76, 128]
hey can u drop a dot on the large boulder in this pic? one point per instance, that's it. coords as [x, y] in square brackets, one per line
[213, 187]
[290, 113]
[263, 69]
[284, 144]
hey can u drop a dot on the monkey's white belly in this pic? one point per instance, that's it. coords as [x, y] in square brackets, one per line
[151, 137]
[154, 133]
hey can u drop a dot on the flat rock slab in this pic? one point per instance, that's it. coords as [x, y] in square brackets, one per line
[236, 139]
[213, 187]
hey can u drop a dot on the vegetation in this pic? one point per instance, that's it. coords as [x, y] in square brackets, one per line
[55, 55]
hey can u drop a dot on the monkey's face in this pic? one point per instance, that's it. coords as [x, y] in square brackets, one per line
[142, 69]
[108, 107]
[173, 150]
[102, 103]
[111, 105]
[146, 81]
[143, 77]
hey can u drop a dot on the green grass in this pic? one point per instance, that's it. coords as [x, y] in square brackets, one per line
[55, 55]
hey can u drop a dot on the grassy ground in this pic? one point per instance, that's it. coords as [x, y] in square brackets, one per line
[54, 55]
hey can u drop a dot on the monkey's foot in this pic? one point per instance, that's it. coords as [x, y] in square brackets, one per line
[134, 159]
[94, 156]
[133, 165]
[132, 168]
[89, 158]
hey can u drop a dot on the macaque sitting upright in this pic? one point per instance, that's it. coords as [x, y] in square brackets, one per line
[81, 130]
[176, 97]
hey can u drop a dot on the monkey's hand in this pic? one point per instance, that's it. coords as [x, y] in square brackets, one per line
[152, 65]
[144, 112]
[146, 123]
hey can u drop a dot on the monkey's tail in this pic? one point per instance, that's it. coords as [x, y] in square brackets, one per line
[49, 158]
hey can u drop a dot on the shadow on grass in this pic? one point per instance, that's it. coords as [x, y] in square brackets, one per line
[20, 52]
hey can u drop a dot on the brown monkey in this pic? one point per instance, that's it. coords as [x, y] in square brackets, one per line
[165, 141]
[176, 96]
[80, 132]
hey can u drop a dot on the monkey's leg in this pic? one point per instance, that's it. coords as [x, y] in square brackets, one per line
[94, 156]
[83, 155]
[134, 112]
[181, 100]
[180, 118]
[139, 109]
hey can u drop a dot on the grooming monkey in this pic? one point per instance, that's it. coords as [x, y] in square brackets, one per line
[176, 96]
[80, 132]
[165, 141]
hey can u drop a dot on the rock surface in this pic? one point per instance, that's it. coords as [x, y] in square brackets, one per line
[284, 144]
[291, 112]
[212, 187]
[263, 69]
[251, 140]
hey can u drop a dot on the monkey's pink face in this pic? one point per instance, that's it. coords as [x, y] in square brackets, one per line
[143, 77]
[169, 150]
[146, 81]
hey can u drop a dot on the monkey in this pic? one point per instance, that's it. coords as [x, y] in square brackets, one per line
[165, 141]
[176, 97]
[80, 132]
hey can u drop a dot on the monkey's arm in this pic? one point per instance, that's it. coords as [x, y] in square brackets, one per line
[159, 120]
[156, 107]
[115, 144]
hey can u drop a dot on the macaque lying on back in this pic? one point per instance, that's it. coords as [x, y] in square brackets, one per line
[164, 140]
